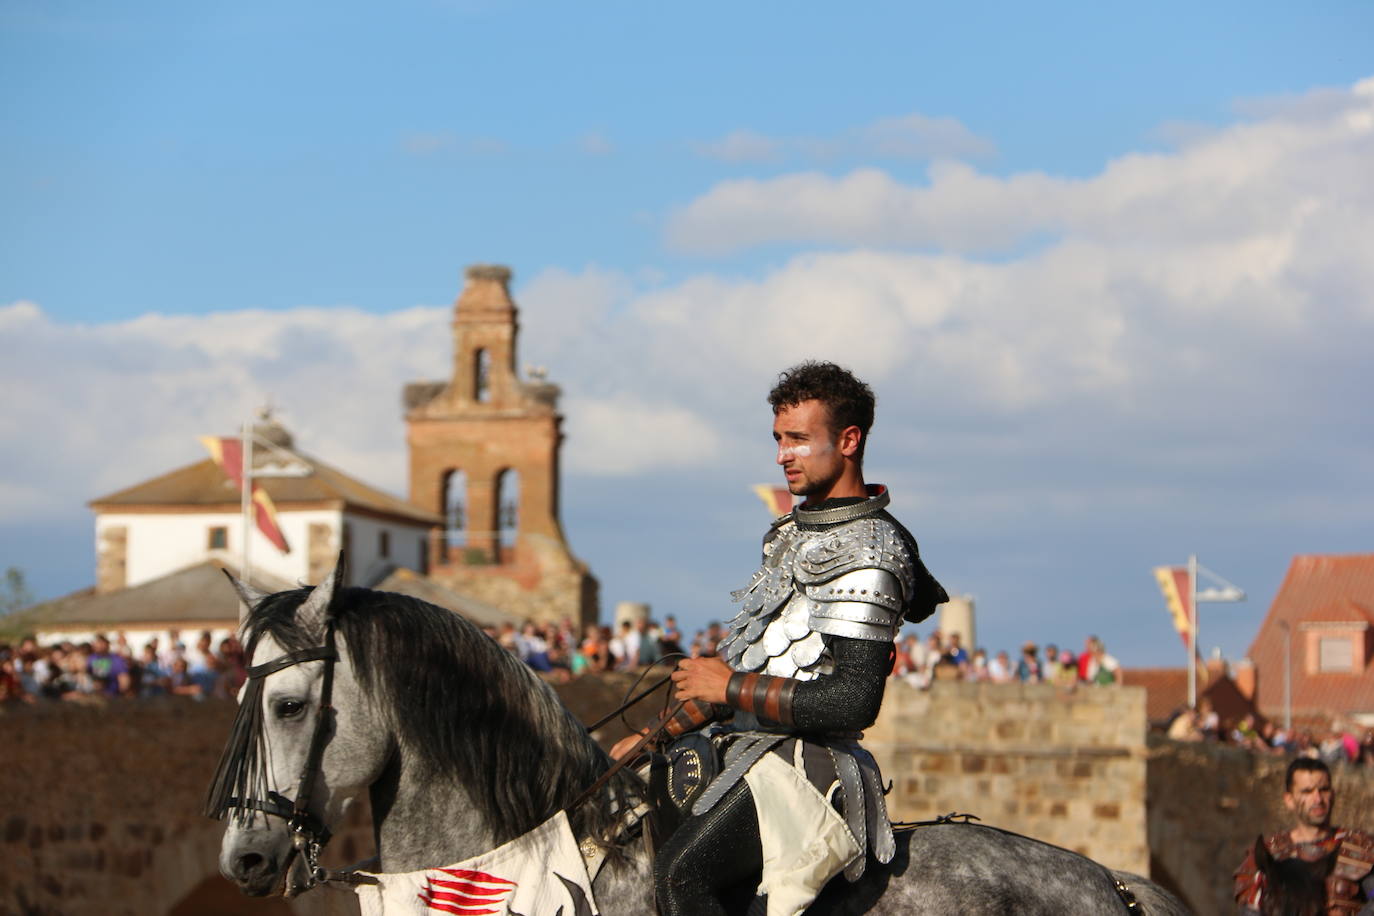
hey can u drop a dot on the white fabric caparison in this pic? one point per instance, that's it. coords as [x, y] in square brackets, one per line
[539, 872]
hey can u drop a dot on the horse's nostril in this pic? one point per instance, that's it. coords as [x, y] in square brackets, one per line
[249, 863]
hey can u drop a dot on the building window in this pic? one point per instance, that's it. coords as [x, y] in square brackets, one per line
[508, 506]
[455, 511]
[384, 544]
[1335, 654]
[481, 376]
[218, 538]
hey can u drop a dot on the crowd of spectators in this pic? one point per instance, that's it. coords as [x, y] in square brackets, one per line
[104, 668]
[101, 668]
[557, 649]
[98, 668]
[940, 657]
[1340, 742]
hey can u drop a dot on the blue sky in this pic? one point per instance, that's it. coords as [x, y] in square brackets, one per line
[1097, 261]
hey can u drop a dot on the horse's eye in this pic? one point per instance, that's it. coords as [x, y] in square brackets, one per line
[288, 709]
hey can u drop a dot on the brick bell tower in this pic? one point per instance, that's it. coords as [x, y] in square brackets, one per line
[484, 454]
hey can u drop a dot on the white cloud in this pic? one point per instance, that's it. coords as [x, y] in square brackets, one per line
[740, 146]
[917, 136]
[1258, 179]
[117, 403]
[626, 434]
[912, 136]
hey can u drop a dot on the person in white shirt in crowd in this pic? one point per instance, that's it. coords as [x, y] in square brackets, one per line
[1000, 670]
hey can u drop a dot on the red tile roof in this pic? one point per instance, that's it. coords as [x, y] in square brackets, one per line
[1166, 692]
[1342, 611]
[1318, 588]
[205, 484]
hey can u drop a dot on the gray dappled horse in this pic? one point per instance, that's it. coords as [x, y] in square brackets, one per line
[461, 747]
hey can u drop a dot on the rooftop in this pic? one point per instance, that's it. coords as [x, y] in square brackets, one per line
[1319, 588]
[293, 479]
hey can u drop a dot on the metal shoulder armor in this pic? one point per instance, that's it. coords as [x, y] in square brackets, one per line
[863, 604]
[858, 578]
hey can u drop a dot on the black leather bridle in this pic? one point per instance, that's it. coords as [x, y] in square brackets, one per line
[309, 833]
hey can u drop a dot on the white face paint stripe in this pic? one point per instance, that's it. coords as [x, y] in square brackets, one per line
[791, 451]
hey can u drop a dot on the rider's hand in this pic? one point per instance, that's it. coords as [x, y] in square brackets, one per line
[702, 679]
[627, 744]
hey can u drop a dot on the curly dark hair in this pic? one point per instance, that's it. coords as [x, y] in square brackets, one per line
[848, 401]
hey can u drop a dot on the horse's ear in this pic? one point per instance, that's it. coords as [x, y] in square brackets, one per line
[314, 611]
[248, 594]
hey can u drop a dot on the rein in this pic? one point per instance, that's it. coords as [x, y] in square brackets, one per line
[643, 742]
[620, 764]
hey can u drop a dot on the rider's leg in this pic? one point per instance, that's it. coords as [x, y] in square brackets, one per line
[708, 854]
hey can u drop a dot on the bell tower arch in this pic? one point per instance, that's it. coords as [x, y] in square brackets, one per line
[496, 437]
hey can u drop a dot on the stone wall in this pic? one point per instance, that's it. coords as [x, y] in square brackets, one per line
[1207, 804]
[1066, 767]
[100, 810]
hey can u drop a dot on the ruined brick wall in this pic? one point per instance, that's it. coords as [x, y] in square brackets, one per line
[543, 582]
[1066, 767]
[1207, 804]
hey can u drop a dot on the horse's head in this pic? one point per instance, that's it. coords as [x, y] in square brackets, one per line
[1293, 886]
[304, 742]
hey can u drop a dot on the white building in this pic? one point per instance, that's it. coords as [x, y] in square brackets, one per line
[191, 515]
[160, 546]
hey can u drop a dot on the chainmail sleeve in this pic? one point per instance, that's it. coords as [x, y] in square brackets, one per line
[847, 700]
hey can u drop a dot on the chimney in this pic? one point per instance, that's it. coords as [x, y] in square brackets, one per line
[1245, 678]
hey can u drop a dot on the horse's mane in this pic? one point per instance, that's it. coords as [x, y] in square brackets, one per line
[463, 706]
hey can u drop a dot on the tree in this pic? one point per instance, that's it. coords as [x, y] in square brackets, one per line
[14, 592]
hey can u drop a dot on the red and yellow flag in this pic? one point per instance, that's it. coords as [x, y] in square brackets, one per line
[777, 499]
[1173, 582]
[228, 454]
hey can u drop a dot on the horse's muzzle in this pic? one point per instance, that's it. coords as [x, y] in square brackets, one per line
[255, 874]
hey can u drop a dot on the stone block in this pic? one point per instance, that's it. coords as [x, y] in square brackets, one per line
[1010, 730]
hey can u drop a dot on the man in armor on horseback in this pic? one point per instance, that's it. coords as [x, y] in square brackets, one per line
[802, 672]
[1349, 882]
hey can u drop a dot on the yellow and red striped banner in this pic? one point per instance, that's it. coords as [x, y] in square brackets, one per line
[228, 454]
[777, 499]
[1173, 582]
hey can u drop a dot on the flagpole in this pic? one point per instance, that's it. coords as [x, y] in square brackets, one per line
[1192, 631]
[246, 500]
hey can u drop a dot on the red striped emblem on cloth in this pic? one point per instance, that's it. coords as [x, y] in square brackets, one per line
[465, 893]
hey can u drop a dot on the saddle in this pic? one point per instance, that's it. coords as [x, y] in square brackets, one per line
[677, 777]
